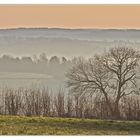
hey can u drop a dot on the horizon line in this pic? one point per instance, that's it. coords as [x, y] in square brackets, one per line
[66, 28]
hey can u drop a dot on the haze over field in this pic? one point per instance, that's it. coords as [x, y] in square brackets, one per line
[63, 42]
[68, 43]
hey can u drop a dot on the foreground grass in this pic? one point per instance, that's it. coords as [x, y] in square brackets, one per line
[14, 125]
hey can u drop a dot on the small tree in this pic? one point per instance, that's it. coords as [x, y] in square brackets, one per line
[59, 104]
[46, 101]
[43, 58]
[12, 102]
[54, 60]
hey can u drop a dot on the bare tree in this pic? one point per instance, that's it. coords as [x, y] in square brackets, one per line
[43, 58]
[59, 104]
[69, 106]
[33, 102]
[112, 74]
[12, 102]
[46, 102]
[54, 60]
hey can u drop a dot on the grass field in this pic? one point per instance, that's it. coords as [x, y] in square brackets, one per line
[14, 125]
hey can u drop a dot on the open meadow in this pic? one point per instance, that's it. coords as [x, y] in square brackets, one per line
[16, 125]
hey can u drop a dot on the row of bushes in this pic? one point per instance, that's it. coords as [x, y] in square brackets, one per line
[41, 102]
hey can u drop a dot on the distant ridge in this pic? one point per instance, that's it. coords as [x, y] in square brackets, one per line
[55, 28]
[64, 41]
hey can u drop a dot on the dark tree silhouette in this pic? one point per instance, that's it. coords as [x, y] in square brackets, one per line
[112, 74]
[43, 57]
[54, 60]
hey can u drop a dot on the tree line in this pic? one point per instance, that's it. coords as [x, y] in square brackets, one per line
[40, 64]
[37, 102]
[35, 59]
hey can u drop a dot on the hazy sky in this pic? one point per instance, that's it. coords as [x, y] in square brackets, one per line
[70, 16]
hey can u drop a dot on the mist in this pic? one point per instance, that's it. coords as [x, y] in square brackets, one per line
[42, 56]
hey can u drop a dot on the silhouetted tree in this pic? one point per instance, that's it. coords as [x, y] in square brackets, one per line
[54, 60]
[26, 59]
[64, 60]
[43, 58]
[113, 74]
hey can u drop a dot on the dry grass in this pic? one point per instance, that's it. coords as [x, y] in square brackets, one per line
[15, 125]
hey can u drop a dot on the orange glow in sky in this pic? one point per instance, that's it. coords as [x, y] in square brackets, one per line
[70, 16]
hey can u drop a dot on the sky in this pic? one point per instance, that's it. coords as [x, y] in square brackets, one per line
[70, 16]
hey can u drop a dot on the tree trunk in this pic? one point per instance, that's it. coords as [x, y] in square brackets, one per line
[109, 105]
[116, 112]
